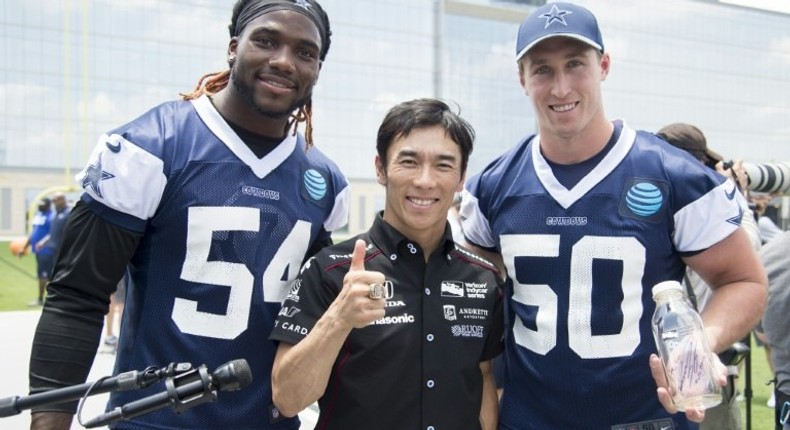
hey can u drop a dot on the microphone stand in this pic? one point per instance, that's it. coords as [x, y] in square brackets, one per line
[183, 392]
[123, 382]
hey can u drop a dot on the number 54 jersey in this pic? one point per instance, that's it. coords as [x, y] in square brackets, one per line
[223, 234]
[581, 264]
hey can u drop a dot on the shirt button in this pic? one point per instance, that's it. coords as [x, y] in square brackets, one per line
[427, 292]
[430, 383]
[429, 428]
[430, 338]
[393, 257]
[449, 257]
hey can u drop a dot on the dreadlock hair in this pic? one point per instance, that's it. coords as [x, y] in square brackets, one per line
[211, 83]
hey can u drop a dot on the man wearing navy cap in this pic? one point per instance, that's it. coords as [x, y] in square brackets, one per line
[587, 216]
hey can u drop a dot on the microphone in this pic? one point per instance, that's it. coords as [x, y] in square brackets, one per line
[183, 392]
[122, 382]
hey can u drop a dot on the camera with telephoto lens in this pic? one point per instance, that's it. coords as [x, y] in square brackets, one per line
[762, 177]
[768, 177]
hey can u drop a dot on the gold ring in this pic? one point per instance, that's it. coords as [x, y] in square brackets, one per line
[377, 291]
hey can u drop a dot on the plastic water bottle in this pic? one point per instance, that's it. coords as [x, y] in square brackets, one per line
[684, 349]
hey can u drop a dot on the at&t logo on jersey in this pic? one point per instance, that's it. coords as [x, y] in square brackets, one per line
[643, 199]
[314, 185]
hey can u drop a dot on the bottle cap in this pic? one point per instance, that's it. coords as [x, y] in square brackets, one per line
[666, 286]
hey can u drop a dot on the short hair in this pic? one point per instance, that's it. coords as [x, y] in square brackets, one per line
[421, 113]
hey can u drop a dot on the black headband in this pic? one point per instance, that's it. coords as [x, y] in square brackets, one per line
[305, 7]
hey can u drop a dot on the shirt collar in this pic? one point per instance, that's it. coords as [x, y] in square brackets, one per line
[393, 244]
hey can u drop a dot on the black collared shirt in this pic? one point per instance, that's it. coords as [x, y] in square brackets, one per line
[419, 366]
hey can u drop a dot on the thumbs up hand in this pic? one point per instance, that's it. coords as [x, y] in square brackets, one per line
[354, 306]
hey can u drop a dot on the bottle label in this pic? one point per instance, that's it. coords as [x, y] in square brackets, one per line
[674, 334]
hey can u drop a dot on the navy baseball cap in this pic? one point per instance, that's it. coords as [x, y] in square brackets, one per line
[558, 19]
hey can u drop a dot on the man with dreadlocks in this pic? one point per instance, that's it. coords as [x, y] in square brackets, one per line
[212, 203]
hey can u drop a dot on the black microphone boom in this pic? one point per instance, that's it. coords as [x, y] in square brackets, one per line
[183, 392]
[122, 382]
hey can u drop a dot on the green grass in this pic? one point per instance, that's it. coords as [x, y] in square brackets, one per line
[18, 287]
[18, 282]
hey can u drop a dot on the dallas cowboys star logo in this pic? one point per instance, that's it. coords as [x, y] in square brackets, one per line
[736, 220]
[555, 15]
[304, 3]
[93, 175]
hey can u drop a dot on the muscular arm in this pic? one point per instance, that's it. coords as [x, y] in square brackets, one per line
[91, 260]
[489, 409]
[740, 289]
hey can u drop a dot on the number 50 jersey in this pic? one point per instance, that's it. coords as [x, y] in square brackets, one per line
[581, 264]
[223, 234]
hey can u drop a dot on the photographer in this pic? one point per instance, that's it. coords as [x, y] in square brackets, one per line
[776, 320]
[726, 415]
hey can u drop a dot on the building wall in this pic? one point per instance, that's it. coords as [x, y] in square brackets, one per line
[20, 189]
[88, 67]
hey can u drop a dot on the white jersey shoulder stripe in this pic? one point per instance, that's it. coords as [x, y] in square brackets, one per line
[137, 182]
[476, 227]
[716, 209]
[339, 216]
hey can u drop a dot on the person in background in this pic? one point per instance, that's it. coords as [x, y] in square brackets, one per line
[454, 218]
[211, 203]
[417, 353]
[41, 225]
[588, 215]
[768, 229]
[52, 241]
[114, 315]
[727, 415]
[775, 256]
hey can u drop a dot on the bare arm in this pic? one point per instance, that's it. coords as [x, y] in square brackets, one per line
[739, 294]
[489, 409]
[301, 372]
[740, 289]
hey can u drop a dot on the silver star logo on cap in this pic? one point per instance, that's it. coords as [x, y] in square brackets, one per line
[555, 15]
[304, 3]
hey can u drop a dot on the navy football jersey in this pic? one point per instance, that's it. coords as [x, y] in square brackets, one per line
[41, 225]
[581, 264]
[224, 233]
